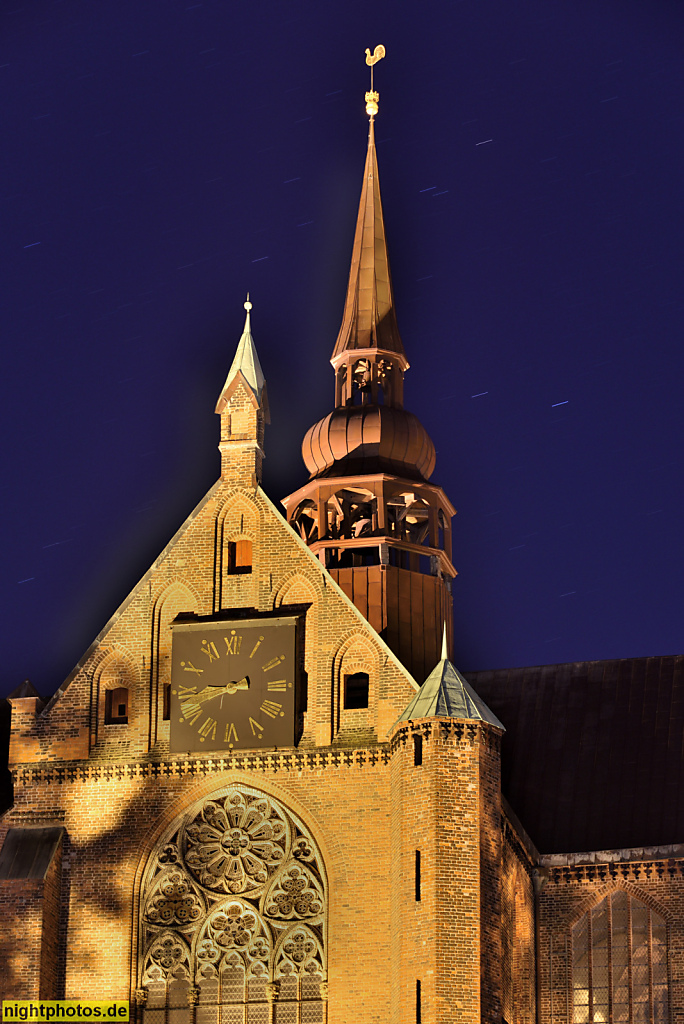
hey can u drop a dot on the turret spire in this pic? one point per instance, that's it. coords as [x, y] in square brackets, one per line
[243, 408]
[369, 319]
[246, 362]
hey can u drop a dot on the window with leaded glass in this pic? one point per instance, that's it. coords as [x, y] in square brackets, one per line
[619, 964]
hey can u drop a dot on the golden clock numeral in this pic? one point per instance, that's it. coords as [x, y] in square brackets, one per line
[233, 642]
[271, 708]
[188, 666]
[231, 732]
[256, 647]
[255, 726]
[276, 684]
[189, 705]
[208, 729]
[183, 691]
[273, 663]
[192, 715]
[209, 648]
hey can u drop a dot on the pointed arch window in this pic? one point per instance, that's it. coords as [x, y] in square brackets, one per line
[619, 964]
[234, 933]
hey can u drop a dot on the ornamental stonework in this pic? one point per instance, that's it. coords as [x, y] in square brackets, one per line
[234, 903]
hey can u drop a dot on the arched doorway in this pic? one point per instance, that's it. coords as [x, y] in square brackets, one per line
[233, 917]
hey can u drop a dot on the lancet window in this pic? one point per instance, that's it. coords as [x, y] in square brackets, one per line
[233, 916]
[619, 964]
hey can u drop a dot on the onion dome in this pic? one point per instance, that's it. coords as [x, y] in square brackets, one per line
[366, 439]
[369, 431]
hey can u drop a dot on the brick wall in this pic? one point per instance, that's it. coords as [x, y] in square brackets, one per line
[570, 885]
[449, 809]
[114, 823]
[518, 934]
[29, 936]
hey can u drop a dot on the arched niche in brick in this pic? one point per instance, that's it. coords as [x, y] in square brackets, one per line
[115, 672]
[176, 598]
[355, 657]
[237, 532]
[233, 913]
[298, 592]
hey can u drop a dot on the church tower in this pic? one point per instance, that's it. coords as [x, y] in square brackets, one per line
[369, 511]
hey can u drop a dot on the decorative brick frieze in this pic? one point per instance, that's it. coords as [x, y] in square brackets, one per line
[449, 731]
[635, 871]
[31, 775]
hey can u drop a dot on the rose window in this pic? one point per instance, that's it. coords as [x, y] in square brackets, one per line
[224, 902]
[235, 846]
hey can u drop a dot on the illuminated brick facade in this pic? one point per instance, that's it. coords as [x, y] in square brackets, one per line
[370, 870]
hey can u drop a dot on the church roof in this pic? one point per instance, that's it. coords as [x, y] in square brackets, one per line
[246, 362]
[592, 756]
[369, 319]
[446, 694]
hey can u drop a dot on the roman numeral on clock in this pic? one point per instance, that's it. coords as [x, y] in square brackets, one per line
[188, 666]
[256, 647]
[208, 729]
[233, 642]
[255, 726]
[276, 684]
[231, 734]
[191, 711]
[271, 708]
[209, 648]
[273, 663]
[184, 692]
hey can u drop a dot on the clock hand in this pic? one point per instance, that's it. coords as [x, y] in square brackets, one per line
[241, 684]
[217, 690]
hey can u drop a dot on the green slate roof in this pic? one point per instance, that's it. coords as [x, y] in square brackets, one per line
[246, 362]
[446, 694]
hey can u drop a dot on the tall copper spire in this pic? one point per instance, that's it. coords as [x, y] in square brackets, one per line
[369, 320]
[369, 511]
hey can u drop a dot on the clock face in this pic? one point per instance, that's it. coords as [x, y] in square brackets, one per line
[233, 684]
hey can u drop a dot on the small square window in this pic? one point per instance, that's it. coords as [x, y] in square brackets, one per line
[356, 691]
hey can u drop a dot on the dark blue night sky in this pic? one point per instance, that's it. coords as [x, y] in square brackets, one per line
[159, 159]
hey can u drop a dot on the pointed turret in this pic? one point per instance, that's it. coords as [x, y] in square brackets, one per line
[446, 694]
[243, 408]
[246, 362]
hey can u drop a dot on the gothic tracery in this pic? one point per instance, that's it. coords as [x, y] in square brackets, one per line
[233, 905]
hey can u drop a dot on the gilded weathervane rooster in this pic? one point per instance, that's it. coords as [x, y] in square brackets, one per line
[373, 97]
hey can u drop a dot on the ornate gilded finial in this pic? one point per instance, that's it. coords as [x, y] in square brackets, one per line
[372, 97]
[248, 304]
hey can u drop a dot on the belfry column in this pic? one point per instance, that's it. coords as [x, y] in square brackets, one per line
[243, 408]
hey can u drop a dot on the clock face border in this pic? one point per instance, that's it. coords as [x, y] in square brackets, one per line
[252, 664]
